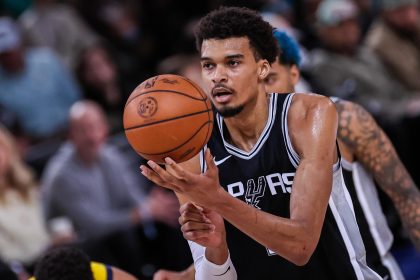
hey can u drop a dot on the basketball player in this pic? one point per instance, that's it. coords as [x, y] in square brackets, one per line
[273, 174]
[361, 140]
[366, 152]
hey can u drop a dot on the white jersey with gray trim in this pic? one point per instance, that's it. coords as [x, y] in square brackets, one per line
[263, 178]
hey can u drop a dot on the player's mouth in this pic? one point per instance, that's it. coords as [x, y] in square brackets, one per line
[221, 94]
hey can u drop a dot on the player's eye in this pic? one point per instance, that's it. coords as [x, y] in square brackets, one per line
[233, 63]
[269, 80]
[207, 65]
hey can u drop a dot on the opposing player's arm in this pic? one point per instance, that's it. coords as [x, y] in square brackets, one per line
[372, 148]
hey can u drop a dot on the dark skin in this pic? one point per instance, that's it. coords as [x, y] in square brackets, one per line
[360, 135]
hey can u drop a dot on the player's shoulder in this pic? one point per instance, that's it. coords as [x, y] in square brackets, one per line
[306, 105]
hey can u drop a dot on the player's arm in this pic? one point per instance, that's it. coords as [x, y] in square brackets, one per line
[187, 274]
[206, 229]
[313, 127]
[372, 148]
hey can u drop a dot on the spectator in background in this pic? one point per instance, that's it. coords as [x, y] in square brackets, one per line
[187, 65]
[34, 85]
[348, 70]
[91, 183]
[395, 38]
[103, 83]
[59, 27]
[23, 234]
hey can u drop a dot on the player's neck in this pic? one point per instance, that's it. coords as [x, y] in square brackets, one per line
[246, 128]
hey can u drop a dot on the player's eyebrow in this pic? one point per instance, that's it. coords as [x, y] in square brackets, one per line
[235, 56]
[232, 56]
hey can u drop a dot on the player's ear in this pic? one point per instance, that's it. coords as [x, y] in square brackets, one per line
[294, 74]
[263, 69]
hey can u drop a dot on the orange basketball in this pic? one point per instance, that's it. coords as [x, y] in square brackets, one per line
[168, 116]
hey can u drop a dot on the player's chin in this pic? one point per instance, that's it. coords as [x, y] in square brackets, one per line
[227, 111]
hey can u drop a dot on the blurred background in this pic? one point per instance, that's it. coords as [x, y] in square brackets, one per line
[67, 65]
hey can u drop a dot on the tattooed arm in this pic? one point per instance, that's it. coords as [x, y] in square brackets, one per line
[372, 148]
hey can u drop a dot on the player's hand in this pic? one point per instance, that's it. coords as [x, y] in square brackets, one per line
[203, 189]
[202, 226]
[163, 274]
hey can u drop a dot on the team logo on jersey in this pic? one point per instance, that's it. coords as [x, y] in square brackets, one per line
[276, 183]
[254, 192]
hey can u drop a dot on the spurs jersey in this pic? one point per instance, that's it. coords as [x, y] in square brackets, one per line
[374, 229]
[263, 178]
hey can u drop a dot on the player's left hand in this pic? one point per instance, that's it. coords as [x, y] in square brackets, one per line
[203, 189]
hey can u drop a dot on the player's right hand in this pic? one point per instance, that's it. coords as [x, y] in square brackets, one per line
[202, 226]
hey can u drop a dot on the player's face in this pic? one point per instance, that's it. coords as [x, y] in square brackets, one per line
[230, 73]
[281, 78]
[89, 134]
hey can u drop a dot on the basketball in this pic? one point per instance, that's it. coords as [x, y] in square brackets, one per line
[168, 116]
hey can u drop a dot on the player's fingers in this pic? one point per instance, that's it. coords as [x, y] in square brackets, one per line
[164, 175]
[189, 206]
[155, 178]
[194, 226]
[179, 172]
[193, 217]
[197, 235]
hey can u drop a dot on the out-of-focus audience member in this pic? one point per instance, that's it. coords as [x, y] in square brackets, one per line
[121, 24]
[395, 38]
[70, 263]
[187, 65]
[349, 70]
[103, 83]
[346, 69]
[35, 85]
[23, 233]
[59, 27]
[92, 184]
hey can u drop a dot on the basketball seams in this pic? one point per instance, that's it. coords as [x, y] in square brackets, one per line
[199, 90]
[162, 90]
[179, 146]
[166, 120]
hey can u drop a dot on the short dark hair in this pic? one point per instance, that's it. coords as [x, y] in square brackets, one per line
[64, 263]
[289, 49]
[228, 22]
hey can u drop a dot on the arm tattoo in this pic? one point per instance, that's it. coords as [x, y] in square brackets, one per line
[358, 131]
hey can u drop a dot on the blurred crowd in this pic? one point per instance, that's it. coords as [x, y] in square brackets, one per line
[67, 173]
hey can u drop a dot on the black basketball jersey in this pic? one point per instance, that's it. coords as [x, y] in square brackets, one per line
[263, 178]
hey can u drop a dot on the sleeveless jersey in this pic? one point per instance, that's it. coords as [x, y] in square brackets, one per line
[372, 223]
[263, 178]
